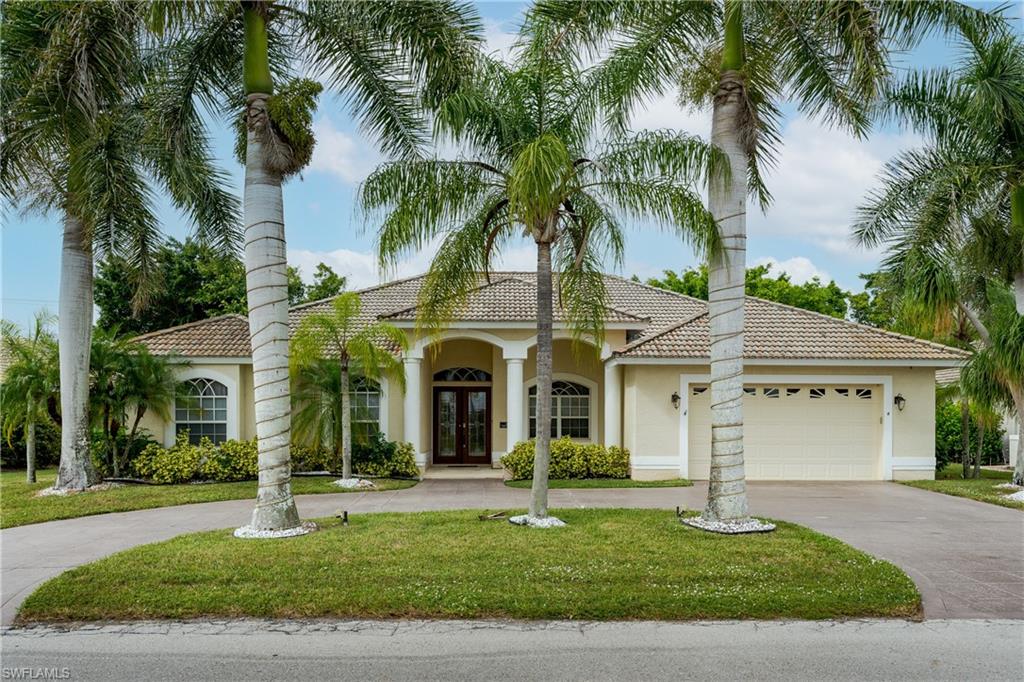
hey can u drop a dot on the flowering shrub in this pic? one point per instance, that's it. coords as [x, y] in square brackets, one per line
[570, 460]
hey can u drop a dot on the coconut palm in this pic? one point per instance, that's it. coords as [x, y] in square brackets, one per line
[530, 167]
[743, 59]
[964, 190]
[357, 346]
[30, 380]
[82, 137]
[239, 57]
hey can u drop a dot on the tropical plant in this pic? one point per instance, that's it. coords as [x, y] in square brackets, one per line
[127, 382]
[30, 381]
[355, 346]
[239, 55]
[84, 134]
[529, 167]
[964, 190]
[742, 59]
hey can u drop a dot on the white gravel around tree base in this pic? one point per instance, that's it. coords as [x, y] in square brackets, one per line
[535, 522]
[1008, 486]
[58, 492]
[1016, 497]
[353, 483]
[729, 527]
[250, 533]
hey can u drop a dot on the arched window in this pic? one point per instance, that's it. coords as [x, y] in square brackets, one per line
[365, 396]
[202, 410]
[462, 374]
[570, 410]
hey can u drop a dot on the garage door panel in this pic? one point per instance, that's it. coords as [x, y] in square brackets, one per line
[814, 433]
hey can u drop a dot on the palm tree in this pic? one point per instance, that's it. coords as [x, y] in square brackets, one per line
[743, 59]
[964, 190]
[126, 382]
[81, 136]
[367, 349]
[239, 55]
[29, 381]
[529, 168]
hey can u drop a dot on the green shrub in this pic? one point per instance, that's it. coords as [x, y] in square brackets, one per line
[234, 460]
[179, 464]
[306, 458]
[380, 457]
[569, 460]
[948, 447]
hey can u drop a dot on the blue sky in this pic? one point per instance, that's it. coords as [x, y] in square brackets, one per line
[821, 176]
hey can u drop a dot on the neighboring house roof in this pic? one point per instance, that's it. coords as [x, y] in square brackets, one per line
[669, 325]
[947, 377]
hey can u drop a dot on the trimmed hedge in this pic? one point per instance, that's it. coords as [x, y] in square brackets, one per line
[569, 460]
[236, 460]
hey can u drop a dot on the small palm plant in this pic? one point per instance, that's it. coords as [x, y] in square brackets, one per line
[530, 168]
[356, 346]
[30, 381]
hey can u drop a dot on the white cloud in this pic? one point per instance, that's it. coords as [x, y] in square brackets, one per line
[350, 158]
[498, 40]
[821, 177]
[799, 268]
[664, 112]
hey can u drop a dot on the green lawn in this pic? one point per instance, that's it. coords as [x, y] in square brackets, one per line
[983, 489]
[603, 483]
[606, 564]
[19, 506]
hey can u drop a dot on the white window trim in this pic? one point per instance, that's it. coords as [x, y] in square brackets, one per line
[885, 380]
[564, 376]
[170, 429]
[382, 421]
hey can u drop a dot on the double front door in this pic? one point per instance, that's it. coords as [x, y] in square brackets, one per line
[462, 425]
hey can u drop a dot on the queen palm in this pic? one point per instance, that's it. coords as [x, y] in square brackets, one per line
[354, 345]
[742, 59]
[30, 381]
[529, 168]
[239, 56]
[82, 137]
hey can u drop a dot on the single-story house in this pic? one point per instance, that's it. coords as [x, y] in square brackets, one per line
[825, 399]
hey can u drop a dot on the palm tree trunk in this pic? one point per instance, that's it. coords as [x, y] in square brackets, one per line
[266, 282]
[1017, 224]
[965, 437]
[346, 424]
[981, 445]
[1017, 391]
[542, 450]
[727, 488]
[30, 445]
[74, 330]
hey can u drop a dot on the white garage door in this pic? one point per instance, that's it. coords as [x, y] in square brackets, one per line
[797, 432]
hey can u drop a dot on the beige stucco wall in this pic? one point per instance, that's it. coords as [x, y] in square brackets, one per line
[651, 424]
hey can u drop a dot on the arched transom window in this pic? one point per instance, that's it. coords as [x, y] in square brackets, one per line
[202, 410]
[570, 410]
[365, 399]
[462, 374]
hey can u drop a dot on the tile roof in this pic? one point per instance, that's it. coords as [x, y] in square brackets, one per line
[671, 325]
[779, 332]
[947, 377]
[223, 336]
[511, 299]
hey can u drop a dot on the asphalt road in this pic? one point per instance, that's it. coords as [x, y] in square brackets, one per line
[481, 650]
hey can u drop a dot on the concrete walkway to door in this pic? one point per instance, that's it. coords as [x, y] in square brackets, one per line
[966, 557]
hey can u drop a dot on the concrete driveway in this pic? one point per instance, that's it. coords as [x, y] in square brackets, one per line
[966, 557]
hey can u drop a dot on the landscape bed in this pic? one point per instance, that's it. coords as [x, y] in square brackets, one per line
[984, 489]
[20, 506]
[605, 565]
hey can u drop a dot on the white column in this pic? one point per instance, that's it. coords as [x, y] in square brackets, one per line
[612, 405]
[411, 425]
[514, 401]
